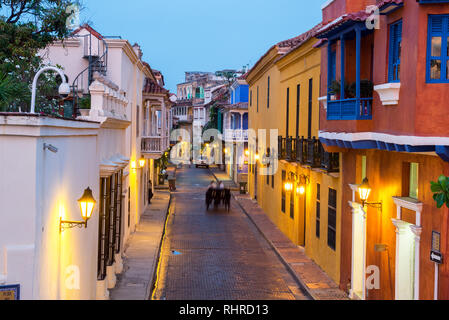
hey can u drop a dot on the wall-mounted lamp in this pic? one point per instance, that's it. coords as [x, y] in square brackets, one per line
[301, 183]
[364, 192]
[142, 162]
[247, 152]
[87, 204]
[257, 157]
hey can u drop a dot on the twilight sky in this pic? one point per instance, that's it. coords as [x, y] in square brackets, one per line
[202, 35]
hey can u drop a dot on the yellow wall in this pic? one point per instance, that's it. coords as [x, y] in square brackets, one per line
[295, 68]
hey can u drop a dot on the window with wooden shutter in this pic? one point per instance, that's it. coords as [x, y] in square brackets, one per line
[394, 65]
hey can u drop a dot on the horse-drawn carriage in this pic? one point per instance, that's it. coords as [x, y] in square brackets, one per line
[218, 196]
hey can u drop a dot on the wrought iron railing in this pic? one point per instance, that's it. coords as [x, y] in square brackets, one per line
[308, 152]
[96, 52]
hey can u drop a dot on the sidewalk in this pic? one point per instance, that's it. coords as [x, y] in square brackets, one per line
[313, 279]
[223, 176]
[141, 252]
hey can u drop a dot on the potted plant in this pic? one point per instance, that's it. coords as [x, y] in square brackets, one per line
[84, 105]
[335, 90]
[366, 89]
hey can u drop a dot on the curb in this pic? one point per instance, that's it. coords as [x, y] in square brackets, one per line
[307, 292]
[152, 283]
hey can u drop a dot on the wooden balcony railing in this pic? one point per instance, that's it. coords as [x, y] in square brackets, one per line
[350, 109]
[156, 144]
[309, 152]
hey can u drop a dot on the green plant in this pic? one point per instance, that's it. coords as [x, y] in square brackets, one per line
[84, 102]
[440, 191]
[366, 89]
[335, 88]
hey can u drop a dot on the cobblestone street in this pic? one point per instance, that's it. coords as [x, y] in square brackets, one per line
[215, 254]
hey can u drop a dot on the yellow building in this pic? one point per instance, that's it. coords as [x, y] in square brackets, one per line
[299, 193]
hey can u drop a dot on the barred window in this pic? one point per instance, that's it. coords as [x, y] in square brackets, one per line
[332, 219]
[318, 211]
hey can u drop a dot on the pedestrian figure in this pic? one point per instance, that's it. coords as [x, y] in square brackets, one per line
[150, 191]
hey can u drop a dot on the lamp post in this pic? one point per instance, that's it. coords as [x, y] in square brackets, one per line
[64, 88]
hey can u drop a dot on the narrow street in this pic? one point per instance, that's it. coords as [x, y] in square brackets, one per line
[214, 254]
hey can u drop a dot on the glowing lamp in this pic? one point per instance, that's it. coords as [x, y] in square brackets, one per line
[257, 157]
[288, 186]
[247, 152]
[142, 162]
[87, 204]
[301, 190]
[364, 191]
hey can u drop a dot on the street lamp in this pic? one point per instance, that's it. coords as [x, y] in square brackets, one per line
[142, 162]
[364, 192]
[301, 183]
[87, 203]
[64, 88]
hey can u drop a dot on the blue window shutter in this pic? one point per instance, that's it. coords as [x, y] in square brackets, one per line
[394, 60]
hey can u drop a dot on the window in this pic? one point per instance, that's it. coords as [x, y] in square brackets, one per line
[394, 65]
[310, 107]
[363, 167]
[268, 94]
[333, 65]
[437, 49]
[318, 210]
[257, 99]
[283, 192]
[332, 219]
[292, 205]
[414, 168]
[298, 97]
[251, 98]
[272, 176]
[410, 176]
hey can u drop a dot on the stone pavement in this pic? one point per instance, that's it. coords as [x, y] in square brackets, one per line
[313, 279]
[142, 252]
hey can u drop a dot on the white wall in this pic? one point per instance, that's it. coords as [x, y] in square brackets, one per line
[37, 187]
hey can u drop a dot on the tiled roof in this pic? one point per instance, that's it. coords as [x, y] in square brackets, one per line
[356, 16]
[153, 87]
[286, 46]
[90, 29]
[381, 3]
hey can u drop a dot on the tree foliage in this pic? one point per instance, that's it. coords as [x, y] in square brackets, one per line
[27, 26]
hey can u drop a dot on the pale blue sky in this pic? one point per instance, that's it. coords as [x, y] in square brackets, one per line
[202, 35]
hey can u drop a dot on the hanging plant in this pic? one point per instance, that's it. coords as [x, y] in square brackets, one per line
[440, 191]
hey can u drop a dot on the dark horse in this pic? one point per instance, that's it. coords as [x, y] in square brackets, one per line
[227, 199]
[209, 197]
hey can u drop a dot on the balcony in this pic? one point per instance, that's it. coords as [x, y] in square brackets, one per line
[236, 135]
[153, 147]
[350, 109]
[308, 152]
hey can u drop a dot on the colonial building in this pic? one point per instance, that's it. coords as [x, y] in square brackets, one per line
[385, 83]
[235, 131]
[96, 150]
[299, 192]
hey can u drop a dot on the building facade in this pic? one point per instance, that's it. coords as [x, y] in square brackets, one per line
[98, 145]
[299, 190]
[384, 112]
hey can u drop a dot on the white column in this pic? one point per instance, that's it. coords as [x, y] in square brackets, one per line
[358, 244]
[417, 232]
